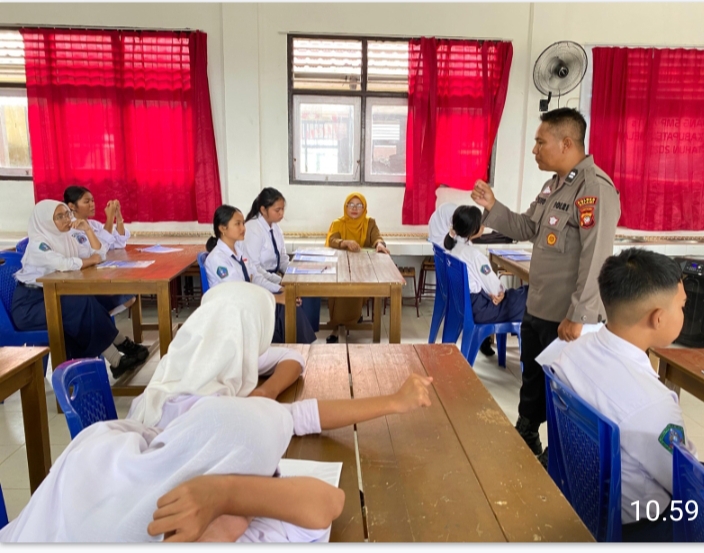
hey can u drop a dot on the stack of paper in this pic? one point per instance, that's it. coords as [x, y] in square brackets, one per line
[512, 255]
[314, 258]
[158, 248]
[325, 270]
[124, 264]
[317, 251]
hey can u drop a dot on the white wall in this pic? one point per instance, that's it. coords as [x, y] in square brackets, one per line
[247, 73]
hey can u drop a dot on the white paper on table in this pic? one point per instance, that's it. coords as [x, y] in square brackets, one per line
[553, 351]
[317, 251]
[158, 248]
[315, 258]
[124, 264]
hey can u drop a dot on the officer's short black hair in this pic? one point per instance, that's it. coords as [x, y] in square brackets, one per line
[570, 121]
[632, 276]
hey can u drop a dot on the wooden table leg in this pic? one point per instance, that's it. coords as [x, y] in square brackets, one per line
[137, 320]
[290, 298]
[395, 315]
[376, 319]
[36, 426]
[55, 326]
[163, 306]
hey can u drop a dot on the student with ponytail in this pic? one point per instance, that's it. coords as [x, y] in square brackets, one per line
[264, 240]
[227, 262]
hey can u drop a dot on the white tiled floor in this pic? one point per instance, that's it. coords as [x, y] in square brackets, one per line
[503, 384]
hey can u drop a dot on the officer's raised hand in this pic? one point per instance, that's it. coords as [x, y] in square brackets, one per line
[569, 331]
[483, 195]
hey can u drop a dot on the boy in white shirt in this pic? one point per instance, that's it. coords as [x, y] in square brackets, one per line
[644, 300]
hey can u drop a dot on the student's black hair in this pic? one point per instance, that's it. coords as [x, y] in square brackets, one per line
[466, 221]
[267, 197]
[635, 274]
[222, 216]
[74, 193]
[568, 116]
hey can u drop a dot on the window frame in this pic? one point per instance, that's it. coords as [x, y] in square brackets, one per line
[368, 147]
[6, 173]
[362, 93]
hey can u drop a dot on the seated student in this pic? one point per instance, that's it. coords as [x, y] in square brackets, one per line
[193, 419]
[88, 329]
[227, 263]
[610, 370]
[440, 223]
[80, 201]
[491, 302]
[353, 231]
[264, 241]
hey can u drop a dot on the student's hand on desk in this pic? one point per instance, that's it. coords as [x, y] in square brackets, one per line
[569, 331]
[483, 195]
[413, 393]
[382, 249]
[184, 513]
[351, 245]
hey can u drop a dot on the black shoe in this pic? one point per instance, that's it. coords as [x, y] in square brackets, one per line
[529, 433]
[543, 458]
[128, 347]
[127, 363]
[332, 339]
[360, 320]
[486, 348]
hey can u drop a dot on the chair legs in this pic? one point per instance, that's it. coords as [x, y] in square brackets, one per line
[501, 347]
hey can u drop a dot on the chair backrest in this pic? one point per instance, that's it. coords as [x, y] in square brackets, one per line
[688, 488]
[204, 286]
[3, 511]
[22, 245]
[584, 459]
[459, 303]
[10, 263]
[83, 391]
[440, 271]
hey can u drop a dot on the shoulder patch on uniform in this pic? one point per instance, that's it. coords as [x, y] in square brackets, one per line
[222, 272]
[585, 201]
[485, 269]
[571, 176]
[586, 204]
[553, 220]
[81, 238]
[44, 247]
[671, 435]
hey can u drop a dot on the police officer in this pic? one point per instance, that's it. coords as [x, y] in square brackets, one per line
[572, 224]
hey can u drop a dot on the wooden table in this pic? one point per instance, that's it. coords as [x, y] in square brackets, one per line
[683, 367]
[154, 279]
[454, 472]
[519, 268]
[365, 274]
[22, 369]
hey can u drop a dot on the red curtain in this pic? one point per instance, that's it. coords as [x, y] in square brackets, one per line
[456, 95]
[126, 114]
[647, 133]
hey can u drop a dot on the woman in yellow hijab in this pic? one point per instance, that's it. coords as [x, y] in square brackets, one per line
[353, 231]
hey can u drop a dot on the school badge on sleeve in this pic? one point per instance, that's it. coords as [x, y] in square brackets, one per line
[485, 269]
[81, 238]
[551, 239]
[586, 206]
[222, 272]
[44, 247]
[671, 435]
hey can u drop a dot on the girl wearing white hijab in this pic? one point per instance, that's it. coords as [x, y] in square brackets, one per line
[440, 223]
[54, 246]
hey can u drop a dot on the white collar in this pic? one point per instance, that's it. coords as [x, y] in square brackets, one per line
[622, 348]
[224, 248]
[264, 224]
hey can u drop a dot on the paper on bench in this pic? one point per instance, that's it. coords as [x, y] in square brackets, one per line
[158, 248]
[314, 258]
[553, 351]
[316, 251]
[124, 264]
[291, 270]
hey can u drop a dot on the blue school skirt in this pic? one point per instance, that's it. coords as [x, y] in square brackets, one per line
[304, 332]
[510, 309]
[88, 328]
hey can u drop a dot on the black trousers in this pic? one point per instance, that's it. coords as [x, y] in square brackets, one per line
[536, 335]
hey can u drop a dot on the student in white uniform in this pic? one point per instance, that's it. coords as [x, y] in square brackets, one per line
[191, 438]
[440, 223]
[610, 370]
[491, 302]
[226, 262]
[264, 240]
[113, 235]
[56, 243]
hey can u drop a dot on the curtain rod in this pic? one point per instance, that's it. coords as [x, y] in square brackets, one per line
[89, 28]
[385, 35]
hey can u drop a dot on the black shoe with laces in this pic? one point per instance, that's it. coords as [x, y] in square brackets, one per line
[529, 433]
[128, 347]
[486, 348]
[332, 339]
[127, 363]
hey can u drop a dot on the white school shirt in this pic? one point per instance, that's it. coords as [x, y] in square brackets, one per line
[114, 240]
[220, 266]
[39, 259]
[259, 248]
[617, 380]
[479, 272]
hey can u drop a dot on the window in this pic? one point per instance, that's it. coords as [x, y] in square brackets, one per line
[348, 104]
[15, 154]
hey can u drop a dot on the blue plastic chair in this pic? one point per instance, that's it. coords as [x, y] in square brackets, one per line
[440, 304]
[204, 286]
[584, 459]
[10, 263]
[3, 511]
[22, 245]
[83, 391]
[460, 319]
[687, 485]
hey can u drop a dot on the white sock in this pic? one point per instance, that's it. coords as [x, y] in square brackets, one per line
[120, 338]
[112, 355]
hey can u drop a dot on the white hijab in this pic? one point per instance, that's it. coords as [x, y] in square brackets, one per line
[215, 352]
[105, 485]
[43, 229]
[440, 223]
